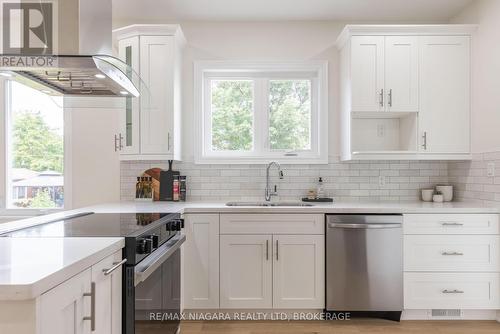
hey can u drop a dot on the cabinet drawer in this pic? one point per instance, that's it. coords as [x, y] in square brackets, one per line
[451, 253]
[451, 290]
[272, 224]
[451, 224]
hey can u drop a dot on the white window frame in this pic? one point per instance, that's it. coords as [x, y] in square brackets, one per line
[5, 191]
[260, 73]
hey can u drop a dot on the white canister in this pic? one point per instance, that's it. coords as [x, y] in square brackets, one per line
[437, 198]
[427, 195]
[447, 192]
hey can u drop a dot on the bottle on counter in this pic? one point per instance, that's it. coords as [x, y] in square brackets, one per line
[320, 192]
[138, 188]
[176, 188]
[182, 188]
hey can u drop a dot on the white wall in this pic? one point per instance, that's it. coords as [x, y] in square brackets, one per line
[485, 73]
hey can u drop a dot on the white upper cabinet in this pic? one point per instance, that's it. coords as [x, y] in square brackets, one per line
[384, 73]
[128, 138]
[405, 92]
[151, 124]
[445, 94]
[401, 73]
[367, 73]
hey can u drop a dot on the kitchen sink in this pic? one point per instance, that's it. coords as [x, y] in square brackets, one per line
[267, 204]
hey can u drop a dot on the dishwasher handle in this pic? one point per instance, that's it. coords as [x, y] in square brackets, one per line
[364, 226]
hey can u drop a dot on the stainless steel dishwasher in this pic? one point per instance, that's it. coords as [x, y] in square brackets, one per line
[364, 264]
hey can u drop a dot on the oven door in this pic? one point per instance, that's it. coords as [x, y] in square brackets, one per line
[157, 289]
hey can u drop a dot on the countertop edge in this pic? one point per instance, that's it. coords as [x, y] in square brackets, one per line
[36, 289]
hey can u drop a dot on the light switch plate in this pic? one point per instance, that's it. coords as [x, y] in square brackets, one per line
[490, 169]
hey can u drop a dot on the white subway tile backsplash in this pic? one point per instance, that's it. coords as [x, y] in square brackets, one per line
[351, 181]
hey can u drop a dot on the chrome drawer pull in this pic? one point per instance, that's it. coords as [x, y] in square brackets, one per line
[91, 318]
[451, 224]
[452, 291]
[452, 253]
[115, 266]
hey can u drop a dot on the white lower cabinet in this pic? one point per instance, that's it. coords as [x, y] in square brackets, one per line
[451, 261]
[90, 302]
[246, 271]
[272, 271]
[108, 295]
[299, 271]
[200, 261]
[254, 261]
[452, 291]
[63, 309]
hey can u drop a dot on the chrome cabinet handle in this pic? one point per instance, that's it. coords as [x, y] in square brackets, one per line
[452, 291]
[91, 318]
[381, 97]
[390, 98]
[451, 224]
[424, 136]
[115, 266]
[121, 144]
[116, 143]
[451, 253]
[168, 141]
[267, 250]
[277, 250]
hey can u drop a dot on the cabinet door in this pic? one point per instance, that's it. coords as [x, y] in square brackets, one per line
[246, 271]
[108, 294]
[367, 73]
[401, 73]
[444, 117]
[299, 271]
[62, 309]
[157, 55]
[128, 52]
[200, 262]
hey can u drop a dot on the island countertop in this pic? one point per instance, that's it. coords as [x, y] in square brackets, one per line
[31, 266]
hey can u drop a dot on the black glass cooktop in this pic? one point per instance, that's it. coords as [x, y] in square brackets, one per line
[99, 225]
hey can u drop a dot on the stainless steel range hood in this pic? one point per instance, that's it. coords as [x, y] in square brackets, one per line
[83, 66]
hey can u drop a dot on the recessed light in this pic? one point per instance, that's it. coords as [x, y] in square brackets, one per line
[123, 92]
[46, 91]
[6, 75]
[100, 76]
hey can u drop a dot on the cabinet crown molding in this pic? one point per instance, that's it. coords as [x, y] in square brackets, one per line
[402, 29]
[150, 30]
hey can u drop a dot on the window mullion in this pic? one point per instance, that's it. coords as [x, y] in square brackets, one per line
[260, 116]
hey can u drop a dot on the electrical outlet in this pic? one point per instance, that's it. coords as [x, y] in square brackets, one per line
[490, 169]
[381, 180]
[380, 130]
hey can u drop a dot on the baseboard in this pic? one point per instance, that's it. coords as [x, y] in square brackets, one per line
[315, 314]
[464, 315]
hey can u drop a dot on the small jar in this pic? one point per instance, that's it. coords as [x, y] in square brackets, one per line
[438, 198]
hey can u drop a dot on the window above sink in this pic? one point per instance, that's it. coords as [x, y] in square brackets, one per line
[254, 112]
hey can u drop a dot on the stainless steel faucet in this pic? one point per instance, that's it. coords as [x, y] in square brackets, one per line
[268, 191]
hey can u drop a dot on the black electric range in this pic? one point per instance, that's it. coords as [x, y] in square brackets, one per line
[151, 271]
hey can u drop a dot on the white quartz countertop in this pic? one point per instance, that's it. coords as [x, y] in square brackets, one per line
[214, 207]
[336, 207]
[31, 266]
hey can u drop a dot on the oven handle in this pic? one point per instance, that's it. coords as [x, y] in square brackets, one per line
[147, 266]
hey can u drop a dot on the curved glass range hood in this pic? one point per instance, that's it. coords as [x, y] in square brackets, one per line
[97, 75]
